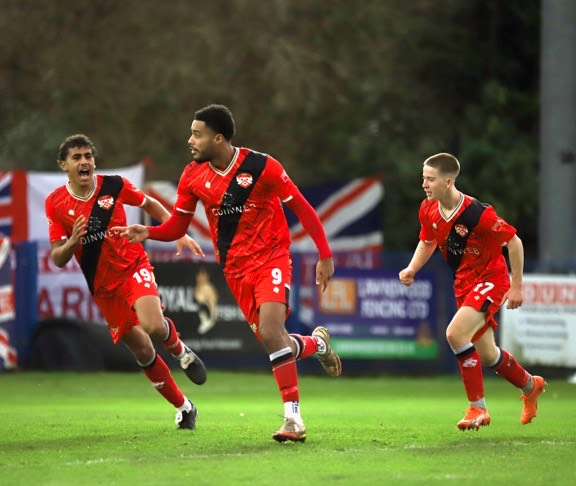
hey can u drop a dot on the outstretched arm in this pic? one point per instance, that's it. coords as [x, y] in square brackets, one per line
[170, 230]
[422, 254]
[311, 223]
[157, 211]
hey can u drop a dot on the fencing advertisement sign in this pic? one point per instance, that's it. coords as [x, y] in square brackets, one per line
[371, 315]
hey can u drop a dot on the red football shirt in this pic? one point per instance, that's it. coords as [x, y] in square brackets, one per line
[243, 205]
[117, 255]
[470, 239]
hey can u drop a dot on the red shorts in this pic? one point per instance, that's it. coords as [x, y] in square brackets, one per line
[117, 306]
[485, 297]
[268, 283]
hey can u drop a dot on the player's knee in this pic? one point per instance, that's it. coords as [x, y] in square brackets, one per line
[143, 351]
[453, 337]
[270, 331]
[155, 328]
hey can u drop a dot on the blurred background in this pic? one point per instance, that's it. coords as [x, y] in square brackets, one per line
[339, 90]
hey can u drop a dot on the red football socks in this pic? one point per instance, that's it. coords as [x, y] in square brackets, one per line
[159, 374]
[286, 374]
[308, 345]
[172, 343]
[471, 371]
[509, 369]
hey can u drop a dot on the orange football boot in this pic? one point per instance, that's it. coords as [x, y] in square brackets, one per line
[531, 400]
[475, 418]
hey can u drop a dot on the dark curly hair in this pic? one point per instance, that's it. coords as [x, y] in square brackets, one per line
[74, 141]
[217, 118]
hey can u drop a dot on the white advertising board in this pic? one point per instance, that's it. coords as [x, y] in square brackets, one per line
[543, 330]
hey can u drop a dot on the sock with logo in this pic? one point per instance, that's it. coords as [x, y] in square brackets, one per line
[471, 371]
[306, 346]
[292, 410]
[159, 374]
[509, 369]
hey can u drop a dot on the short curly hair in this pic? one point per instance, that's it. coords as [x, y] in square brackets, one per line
[217, 118]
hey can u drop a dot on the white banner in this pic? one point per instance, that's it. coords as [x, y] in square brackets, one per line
[543, 330]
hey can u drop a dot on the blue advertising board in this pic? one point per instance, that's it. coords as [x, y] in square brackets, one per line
[371, 315]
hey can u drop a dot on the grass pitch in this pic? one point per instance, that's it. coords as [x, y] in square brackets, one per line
[114, 429]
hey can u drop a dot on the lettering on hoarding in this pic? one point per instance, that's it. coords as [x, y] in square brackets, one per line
[389, 309]
[74, 302]
[550, 293]
[393, 289]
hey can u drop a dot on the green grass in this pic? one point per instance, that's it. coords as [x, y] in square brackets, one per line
[113, 428]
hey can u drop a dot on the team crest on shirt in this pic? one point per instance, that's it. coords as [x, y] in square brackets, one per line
[498, 225]
[461, 230]
[244, 179]
[105, 202]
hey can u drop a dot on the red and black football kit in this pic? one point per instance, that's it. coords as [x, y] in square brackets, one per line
[251, 238]
[117, 272]
[471, 239]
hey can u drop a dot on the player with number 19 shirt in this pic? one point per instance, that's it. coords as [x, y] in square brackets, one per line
[63, 208]
[80, 216]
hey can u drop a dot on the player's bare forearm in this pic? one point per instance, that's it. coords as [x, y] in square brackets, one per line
[516, 258]
[324, 272]
[155, 209]
[62, 254]
[515, 295]
[63, 251]
[422, 254]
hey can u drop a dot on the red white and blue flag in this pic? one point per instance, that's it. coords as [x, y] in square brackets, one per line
[13, 205]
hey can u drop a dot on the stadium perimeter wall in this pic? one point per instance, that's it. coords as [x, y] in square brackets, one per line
[57, 326]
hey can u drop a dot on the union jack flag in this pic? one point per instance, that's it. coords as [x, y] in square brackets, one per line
[351, 213]
[13, 205]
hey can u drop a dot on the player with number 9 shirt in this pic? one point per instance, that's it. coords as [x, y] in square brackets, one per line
[242, 192]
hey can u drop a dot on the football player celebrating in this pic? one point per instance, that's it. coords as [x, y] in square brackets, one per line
[242, 192]
[470, 236]
[119, 275]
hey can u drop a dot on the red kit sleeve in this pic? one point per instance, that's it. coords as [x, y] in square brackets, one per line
[172, 229]
[310, 222]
